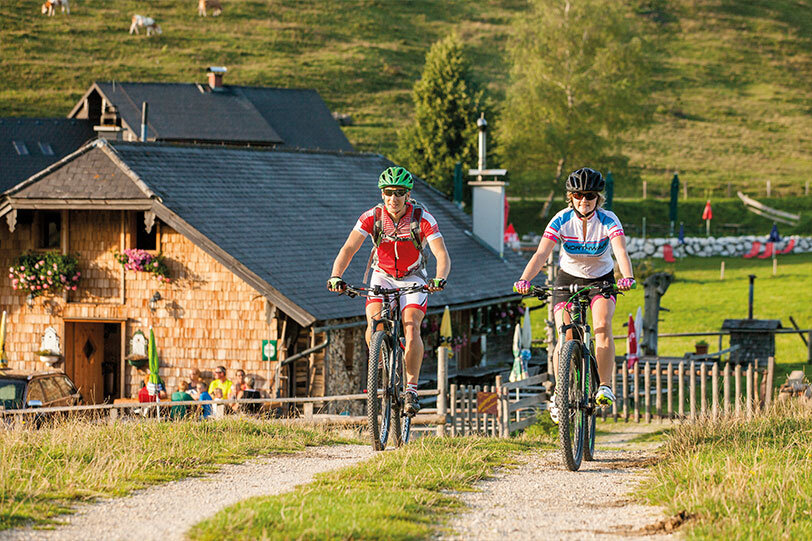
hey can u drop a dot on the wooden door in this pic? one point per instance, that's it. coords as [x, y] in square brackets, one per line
[83, 360]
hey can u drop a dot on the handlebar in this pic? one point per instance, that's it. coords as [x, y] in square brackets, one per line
[353, 291]
[575, 289]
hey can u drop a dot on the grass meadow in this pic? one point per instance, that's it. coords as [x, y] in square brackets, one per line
[737, 478]
[46, 471]
[732, 97]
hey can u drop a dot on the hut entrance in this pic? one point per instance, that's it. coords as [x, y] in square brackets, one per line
[93, 358]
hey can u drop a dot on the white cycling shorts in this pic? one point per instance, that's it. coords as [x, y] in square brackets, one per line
[417, 299]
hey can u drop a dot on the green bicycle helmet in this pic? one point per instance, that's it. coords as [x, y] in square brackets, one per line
[396, 176]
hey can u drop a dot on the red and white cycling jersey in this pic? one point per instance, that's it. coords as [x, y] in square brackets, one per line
[398, 258]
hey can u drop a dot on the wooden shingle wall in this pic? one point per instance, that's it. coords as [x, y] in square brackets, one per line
[346, 365]
[207, 316]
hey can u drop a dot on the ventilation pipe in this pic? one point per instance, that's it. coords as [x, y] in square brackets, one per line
[144, 109]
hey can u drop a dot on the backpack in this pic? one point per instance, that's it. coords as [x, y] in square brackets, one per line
[378, 236]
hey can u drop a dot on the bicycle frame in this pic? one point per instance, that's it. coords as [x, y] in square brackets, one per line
[582, 333]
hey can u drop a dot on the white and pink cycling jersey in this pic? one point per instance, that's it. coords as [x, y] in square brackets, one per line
[398, 258]
[584, 256]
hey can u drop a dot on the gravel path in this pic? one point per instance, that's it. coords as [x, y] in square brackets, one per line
[166, 512]
[541, 499]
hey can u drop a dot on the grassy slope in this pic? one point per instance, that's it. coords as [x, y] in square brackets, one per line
[733, 102]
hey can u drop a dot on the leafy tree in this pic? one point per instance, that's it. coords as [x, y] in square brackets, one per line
[580, 76]
[447, 103]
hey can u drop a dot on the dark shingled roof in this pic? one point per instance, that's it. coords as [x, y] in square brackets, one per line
[284, 215]
[61, 134]
[295, 118]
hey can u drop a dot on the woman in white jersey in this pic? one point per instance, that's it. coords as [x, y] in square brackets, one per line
[586, 232]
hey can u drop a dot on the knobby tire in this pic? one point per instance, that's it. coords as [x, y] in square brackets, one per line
[590, 388]
[379, 409]
[569, 393]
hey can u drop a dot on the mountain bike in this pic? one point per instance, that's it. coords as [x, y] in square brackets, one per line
[386, 373]
[577, 374]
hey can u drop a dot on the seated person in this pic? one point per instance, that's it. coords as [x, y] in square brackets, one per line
[220, 382]
[219, 409]
[206, 409]
[179, 412]
[195, 378]
[143, 394]
[250, 392]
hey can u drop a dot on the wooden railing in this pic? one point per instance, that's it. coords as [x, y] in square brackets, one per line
[516, 404]
[666, 389]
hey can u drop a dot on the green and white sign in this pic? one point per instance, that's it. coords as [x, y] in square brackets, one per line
[269, 350]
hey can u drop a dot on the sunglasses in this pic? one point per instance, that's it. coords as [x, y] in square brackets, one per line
[589, 196]
[399, 192]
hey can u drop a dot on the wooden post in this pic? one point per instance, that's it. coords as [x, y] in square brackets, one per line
[637, 392]
[670, 375]
[624, 385]
[722, 272]
[518, 396]
[658, 384]
[692, 389]
[469, 421]
[749, 382]
[476, 411]
[715, 389]
[486, 430]
[768, 395]
[113, 415]
[756, 390]
[685, 190]
[703, 400]
[769, 188]
[614, 389]
[645, 189]
[726, 385]
[500, 419]
[647, 390]
[737, 372]
[442, 386]
[681, 389]
[308, 410]
[452, 392]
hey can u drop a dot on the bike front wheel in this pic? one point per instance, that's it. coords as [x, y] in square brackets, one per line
[379, 396]
[570, 400]
[590, 388]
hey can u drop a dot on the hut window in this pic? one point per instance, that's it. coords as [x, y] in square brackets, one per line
[50, 227]
[349, 349]
[144, 240]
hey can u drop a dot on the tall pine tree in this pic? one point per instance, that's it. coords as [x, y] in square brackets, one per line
[447, 103]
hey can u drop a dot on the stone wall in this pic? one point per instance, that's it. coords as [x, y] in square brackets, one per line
[709, 246]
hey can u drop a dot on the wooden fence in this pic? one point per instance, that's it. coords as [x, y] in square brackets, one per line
[665, 389]
[514, 407]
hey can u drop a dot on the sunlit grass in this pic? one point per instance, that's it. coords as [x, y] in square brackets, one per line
[44, 471]
[401, 494]
[739, 479]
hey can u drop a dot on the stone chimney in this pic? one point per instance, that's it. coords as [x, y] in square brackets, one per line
[216, 76]
[488, 197]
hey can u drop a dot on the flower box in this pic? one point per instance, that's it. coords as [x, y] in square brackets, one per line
[45, 273]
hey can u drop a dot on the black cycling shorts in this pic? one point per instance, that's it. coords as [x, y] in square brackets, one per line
[564, 279]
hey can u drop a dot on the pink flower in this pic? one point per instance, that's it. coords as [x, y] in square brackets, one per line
[33, 288]
[49, 273]
[75, 277]
[73, 288]
[62, 278]
[45, 286]
[11, 275]
[78, 273]
[15, 282]
[22, 268]
[55, 266]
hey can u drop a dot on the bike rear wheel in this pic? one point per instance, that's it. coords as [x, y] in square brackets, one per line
[570, 398]
[379, 408]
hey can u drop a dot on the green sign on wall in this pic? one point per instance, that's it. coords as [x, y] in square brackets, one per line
[269, 350]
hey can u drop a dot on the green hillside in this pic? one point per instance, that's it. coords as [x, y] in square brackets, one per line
[733, 104]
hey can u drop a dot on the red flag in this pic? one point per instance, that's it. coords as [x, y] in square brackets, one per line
[707, 214]
[631, 344]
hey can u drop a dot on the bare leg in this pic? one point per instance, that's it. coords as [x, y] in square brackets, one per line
[412, 318]
[373, 311]
[603, 310]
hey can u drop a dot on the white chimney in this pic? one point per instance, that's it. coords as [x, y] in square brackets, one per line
[488, 197]
[216, 76]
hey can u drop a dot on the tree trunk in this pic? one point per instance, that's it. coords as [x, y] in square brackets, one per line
[655, 287]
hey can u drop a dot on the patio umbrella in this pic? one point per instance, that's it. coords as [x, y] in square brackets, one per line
[610, 190]
[631, 344]
[445, 330]
[707, 215]
[527, 331]
[638, 328]
[672, 205]
[681, 236]
[153, 385]
[774, 236]
[3, 358]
